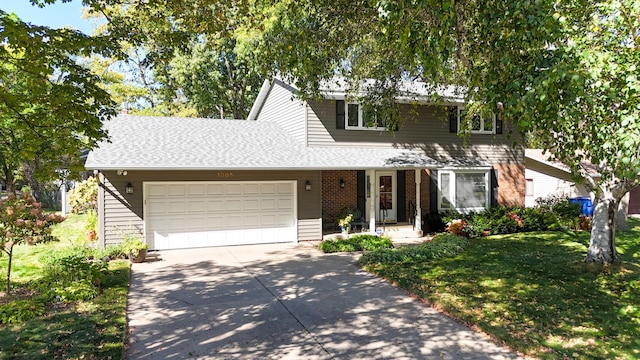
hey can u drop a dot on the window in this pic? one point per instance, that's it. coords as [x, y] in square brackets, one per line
[362, 118]
[479, 125]
[463, 190]
[529, 187]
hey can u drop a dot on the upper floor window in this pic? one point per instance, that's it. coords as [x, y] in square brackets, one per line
[362, 117]
[478, 124]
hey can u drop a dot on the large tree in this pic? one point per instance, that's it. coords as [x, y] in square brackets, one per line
[566, 71]
[186, 67]
[50, 106]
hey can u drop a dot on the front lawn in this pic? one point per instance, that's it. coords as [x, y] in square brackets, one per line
[69, 328]
[533, 292]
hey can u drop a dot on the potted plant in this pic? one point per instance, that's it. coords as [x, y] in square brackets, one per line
[345, 217]
[134, 248]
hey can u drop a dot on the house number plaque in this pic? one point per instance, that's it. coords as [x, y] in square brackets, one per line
[225, 174]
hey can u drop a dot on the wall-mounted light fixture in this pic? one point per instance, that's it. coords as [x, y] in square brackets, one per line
[129, 188]
[342, 183]
[307, 185]
[122, 172]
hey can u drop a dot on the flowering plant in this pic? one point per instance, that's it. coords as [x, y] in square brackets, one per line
[22, 221]
[517, 219]
[458, 227]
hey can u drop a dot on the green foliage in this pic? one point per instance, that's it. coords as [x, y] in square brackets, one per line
[72, 276]
[441, 246]
[84, 197]
[92, 328]
[560, 206]
[358, 242]
[51, 107]
[19, 311]
[553, 213]
[132, 244]
[534, 292]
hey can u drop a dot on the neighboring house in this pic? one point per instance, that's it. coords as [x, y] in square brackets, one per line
[285, 174]
[546, 177]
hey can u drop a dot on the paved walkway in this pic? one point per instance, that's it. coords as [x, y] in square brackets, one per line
[283, 302]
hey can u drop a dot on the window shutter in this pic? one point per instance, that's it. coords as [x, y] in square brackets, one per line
[339, 114]
[401, 189]
[494, 187]
[453, 119]
[433, 191]
[361, 192]
[498, 126]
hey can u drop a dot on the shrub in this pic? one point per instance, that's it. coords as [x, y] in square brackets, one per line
[72, 276]
[355, 243]
[560, 205]
[84, 196]
[20, 311]
[442, 245]
[372, 242]
[433, 223]
[23, 221]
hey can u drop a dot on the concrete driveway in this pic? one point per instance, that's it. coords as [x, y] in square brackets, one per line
[283, 302]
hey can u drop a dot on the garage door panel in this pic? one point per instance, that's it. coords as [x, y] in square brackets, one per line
[251, 205]
[215, 189]
[233, 205]
[233, 189]
[196, 190]
[182, 215]
[176, 190]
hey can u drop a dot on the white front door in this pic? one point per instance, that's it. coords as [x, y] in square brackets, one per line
[386, 207]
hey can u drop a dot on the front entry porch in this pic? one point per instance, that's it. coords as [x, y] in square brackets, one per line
[380, 199]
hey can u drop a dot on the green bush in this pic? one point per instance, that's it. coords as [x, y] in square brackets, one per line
[21, 310]
[356, 243]
[110, 251]
[441, 246]
[84, 196]
[72, 276]
[552, 213]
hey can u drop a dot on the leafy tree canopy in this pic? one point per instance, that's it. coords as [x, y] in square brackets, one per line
[50, 106]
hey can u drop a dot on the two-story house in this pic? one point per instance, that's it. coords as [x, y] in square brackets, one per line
[285, 173]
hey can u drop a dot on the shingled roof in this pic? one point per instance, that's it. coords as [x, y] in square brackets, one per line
[171, 143]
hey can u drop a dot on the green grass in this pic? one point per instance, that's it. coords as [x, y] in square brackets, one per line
[533, 292]
[92, 329]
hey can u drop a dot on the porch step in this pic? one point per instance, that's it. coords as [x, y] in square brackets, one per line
[402, 233]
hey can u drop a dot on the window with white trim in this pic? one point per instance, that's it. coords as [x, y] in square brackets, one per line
[479, 124]
[463, 190]
[358, 117]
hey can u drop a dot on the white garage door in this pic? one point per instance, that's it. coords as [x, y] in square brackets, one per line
[200, 214]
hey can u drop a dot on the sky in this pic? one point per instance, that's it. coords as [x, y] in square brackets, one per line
[57, 15]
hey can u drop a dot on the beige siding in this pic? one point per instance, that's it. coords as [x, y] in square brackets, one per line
[124, 211]
[424, 127]
[548, 180]
[282, 108]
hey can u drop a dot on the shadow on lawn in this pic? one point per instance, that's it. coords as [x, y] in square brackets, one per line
[300, 304]
[535, 292]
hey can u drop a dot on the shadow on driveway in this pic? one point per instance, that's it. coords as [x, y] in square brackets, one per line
[284, 302]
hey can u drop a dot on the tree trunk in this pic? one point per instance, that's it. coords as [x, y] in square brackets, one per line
[623, 210]
[602, 248]
[10, 253]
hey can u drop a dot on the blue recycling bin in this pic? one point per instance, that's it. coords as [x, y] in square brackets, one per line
[586, 205]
